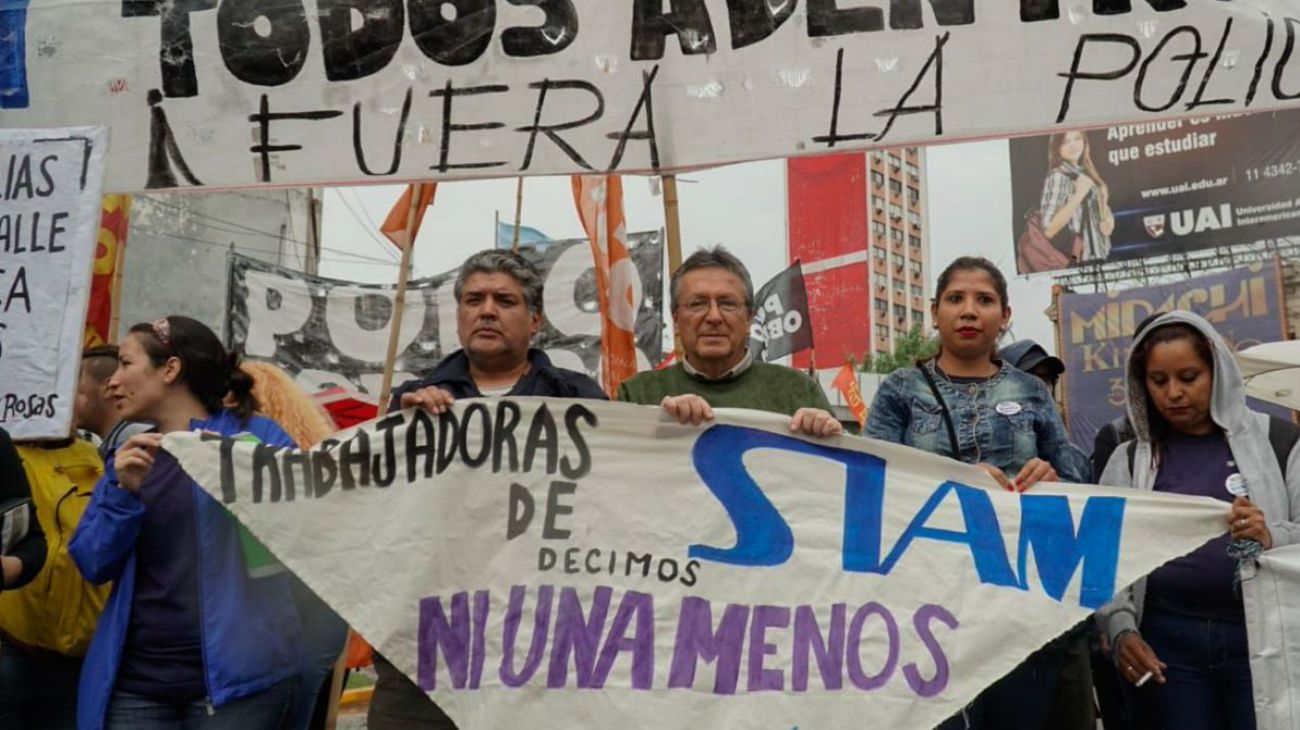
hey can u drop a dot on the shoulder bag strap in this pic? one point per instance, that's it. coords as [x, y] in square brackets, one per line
[943, 406]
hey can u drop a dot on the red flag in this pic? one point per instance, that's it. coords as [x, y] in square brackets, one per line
[394, 226]
[600, 207]
[114, 217]
[846, 382]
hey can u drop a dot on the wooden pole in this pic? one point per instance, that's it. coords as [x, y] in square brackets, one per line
[399, 301]
[115, 299]
[519, 211]
[336, 686]
[674, 228]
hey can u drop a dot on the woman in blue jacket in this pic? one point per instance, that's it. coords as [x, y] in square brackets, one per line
[968, 404]
[189, 639]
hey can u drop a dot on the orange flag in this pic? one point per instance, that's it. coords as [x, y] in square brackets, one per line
[600, 207]
[394, 226]
[114, 217]
[846, 382]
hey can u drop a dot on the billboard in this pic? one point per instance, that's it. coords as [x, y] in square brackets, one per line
[1094, 331]
[1158, 188]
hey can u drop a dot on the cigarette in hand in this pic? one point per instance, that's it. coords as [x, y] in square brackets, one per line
[1144, 679]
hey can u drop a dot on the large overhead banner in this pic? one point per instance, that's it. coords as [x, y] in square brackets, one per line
[49, 220]
[1245, 305]
[575, 564]
[233, 93]
[330, 333]
[1156, 188]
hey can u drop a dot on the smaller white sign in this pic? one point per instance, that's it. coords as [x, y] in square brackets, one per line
[50, 184]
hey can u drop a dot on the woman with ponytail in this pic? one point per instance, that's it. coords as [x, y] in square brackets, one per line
[196, 634]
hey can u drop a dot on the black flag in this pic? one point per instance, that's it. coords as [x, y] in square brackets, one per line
[780, 325]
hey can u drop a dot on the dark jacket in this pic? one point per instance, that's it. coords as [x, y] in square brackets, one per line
[542, 379]
[1111, 435]
[13, 485]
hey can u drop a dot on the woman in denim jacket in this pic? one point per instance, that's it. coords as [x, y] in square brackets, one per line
[998, 418]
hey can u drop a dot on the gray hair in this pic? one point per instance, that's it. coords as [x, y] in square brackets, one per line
[712, 258]
[494, 261]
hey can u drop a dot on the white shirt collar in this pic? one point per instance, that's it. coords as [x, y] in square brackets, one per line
[740, 367]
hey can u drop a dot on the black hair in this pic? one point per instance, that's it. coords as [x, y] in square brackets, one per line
[207, 369]
[1157, 425]
[99, 362]
[973, 263]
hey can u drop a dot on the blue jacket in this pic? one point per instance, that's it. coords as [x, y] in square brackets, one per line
[1005, 422]
[250, 628]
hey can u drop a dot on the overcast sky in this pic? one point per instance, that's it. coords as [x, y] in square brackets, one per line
[742, 206]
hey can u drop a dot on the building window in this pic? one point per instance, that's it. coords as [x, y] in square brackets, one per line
[881, 305]
[878, 203]
[895, 187]
[899, 285]
[880, 253]
[878, 228]
[913, 195]
[916, 291]
[900, 311]
[898, 260]
[896, 234]
[916, 267]
[917, 316]
[913, 170]
[877, 179]
[894, 162]
[877, 154]
[895, 211]
[914, 217]
[914, 241]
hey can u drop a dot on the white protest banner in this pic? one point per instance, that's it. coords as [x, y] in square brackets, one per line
[234, 93]
[581, 564]
[1271, 593]
[49, 225]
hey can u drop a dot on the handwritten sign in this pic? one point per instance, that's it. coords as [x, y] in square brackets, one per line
[49, 221]
[590, 564]
[239, 93]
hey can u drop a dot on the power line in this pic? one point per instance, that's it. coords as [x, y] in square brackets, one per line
[369, 225]
[240, 229]
[227, 246]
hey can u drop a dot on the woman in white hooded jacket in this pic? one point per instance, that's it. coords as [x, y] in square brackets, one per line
[1181, 631]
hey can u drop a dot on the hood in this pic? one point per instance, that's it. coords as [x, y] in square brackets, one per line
[1228, 401]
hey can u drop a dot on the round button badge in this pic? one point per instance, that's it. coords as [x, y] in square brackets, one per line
[1236, 485]
[1007, 408]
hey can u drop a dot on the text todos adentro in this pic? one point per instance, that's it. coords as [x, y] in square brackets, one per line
[268, 46]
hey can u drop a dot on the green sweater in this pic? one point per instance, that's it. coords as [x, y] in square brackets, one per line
[763, 387]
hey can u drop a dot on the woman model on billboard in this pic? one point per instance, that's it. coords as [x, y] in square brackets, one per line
[968, 404]
[1075, 200]
[1179, 635]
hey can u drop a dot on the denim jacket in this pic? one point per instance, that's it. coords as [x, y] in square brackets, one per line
[1005, 421]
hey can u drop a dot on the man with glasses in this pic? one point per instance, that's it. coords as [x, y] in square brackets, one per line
[713, 303]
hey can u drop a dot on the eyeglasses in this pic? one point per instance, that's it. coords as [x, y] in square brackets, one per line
[702, 305]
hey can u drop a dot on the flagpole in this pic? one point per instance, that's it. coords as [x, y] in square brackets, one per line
[399, 301]
[519, 210]
[115, 296]
[672, 222]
